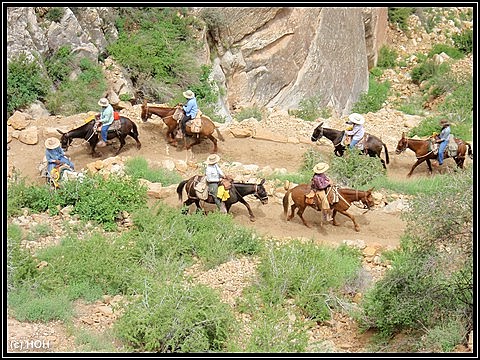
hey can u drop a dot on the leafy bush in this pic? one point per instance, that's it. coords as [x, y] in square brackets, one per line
[172, 318]
[464, 41]
[60, 64]
[306, 273]
[25, 83]
[247, 113]
[21, 268]
[399, 16]
[372, 100]
[387, 58]
[427, 70]
[55, 14]
[308, 109]
[80, 94]
[450, 51]
[356, 170]
[137, 168]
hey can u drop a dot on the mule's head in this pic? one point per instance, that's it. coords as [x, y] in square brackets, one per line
[261, 193]
[65, 140]
[317, 133]
[145, 113]
[368, 200]
[402, 145]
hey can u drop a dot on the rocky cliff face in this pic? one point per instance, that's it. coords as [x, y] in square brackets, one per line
[267, 57]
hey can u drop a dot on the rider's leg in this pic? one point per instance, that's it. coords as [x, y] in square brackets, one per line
[441, 151]
[213, 190]
[184, 123]
[353, 143]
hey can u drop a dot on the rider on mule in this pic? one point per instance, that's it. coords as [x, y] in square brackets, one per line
[214, 174]
[355, 132]
[190, 109]
[106, 119]
[319, 185]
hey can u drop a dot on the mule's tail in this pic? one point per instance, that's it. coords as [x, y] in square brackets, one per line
[134, 128]
[180, 189]
[387, 160]
[286, 201]
[470, 152]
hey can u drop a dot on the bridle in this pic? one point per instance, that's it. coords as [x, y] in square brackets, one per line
[319, 136]
[399, 151]
[257, 195]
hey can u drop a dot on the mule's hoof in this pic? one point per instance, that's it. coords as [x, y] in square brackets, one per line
[252, 219]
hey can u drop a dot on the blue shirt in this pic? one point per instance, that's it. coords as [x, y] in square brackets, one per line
[191, 108]
[445, 133]
[106, 115]
[55, 154]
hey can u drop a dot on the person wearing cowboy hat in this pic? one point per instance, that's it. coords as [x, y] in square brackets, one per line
[55, 155]
[190, 109]
[356, 130]
[443, 139]
[214, 174]
[106, 119]
[319, 184]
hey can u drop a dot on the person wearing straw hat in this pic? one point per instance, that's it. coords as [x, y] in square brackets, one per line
[319, 184]
[355, 131]
[55, 155]
[443, 140]
[214, 174]
[106, 119]
[190, 109]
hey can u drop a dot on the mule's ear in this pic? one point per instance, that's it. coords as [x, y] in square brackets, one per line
[321, 124]
[60, 131]
[371, 189]
[262, 182]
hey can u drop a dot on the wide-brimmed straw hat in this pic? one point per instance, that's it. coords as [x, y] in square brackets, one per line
[356, 118]
[444, 122]
[188, 94]
[103, 102]
[52, 143]
[320, 168]
[212, 159]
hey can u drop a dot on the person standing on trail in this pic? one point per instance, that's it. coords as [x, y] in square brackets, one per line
[190, 109]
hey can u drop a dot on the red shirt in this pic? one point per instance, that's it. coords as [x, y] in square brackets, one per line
[320, 181]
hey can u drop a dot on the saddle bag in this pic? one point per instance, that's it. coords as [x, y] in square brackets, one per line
[196, 123]
[201, 188]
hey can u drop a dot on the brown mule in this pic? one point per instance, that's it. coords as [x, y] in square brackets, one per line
[346, 197]
[170, 116]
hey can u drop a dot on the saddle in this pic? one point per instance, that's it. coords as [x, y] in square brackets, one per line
[361, 145]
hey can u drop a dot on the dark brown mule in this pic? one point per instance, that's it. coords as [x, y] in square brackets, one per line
[87, 132]
[423, 151]
[237, 193]
[171, 115]
[346, 197]
[372, 146]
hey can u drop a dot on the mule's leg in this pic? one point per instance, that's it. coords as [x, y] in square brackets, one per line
[334, 222]
[214, 141]
[242, 200]
[135, 137]
[414, 166]
[300, 213]
[429, 163]
[292, 212]
[122, 143]
[357, 228]
[197, 141]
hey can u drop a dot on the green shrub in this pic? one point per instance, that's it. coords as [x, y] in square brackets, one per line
[55, 14]
[356, 170]
[309, 109]
[25, 83]
[171, 318]
[307, 273]
[21, 268]
[427, 70]
[400, 15]
[449, 50]
[250, 112]
[373, 100]
[464, 41]
[60, 64]
[387, 58]
[137, 168]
